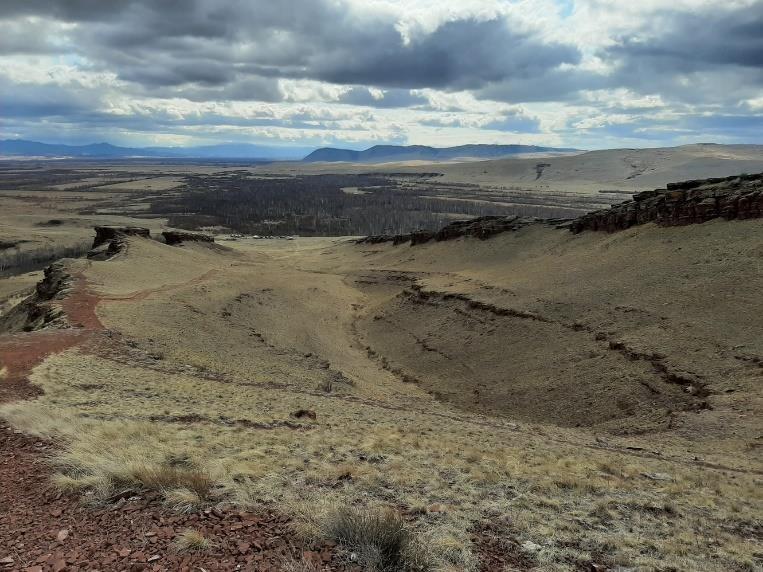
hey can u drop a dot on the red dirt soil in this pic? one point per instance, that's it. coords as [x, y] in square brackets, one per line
[42, 529]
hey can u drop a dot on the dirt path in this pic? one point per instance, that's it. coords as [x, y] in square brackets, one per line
[43, 530]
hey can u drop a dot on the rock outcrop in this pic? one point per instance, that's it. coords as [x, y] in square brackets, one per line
[688, 202]
[482, 228]
[174, 237]
[36, 312]
[104, 234]
[111, 240]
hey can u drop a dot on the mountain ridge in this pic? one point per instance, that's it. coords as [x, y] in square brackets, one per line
[385, 153]
[103, 150]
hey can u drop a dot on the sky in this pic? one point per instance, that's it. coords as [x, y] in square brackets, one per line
[590, 74]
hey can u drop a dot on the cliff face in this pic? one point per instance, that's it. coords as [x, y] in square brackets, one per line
[689, 202]
[481, 227]
[37, 312]
[111, 240]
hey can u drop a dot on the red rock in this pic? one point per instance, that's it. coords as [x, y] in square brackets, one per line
[243, 547]
[59, 565]
[124, 552]
[139, 556]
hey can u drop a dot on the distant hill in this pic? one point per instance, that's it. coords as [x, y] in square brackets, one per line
[23, 148]
[387, 153]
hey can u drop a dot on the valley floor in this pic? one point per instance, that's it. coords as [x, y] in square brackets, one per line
[534, 401]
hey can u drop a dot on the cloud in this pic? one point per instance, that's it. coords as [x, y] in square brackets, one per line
[391, 98]
[514, 122]
[413, 70]
[211, 42]
[709, 55]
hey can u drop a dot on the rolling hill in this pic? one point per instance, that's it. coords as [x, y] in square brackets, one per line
[388, 153]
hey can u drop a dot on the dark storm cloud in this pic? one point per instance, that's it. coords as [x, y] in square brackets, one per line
[48, 101]
[391, 98]
[688, 42]
[713, 55]
[461, 54]
[212, 42]
[554, 84]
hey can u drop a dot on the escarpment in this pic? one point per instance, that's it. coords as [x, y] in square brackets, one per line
[37, 311]
[111, 240]
[482, 227]
[688, 202]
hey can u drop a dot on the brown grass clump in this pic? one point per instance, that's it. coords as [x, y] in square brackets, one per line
[192, 541]
[380, 541]
[166, 478]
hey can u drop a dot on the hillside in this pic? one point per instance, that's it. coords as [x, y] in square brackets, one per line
[559, 391]
[392, 153]
[625, 170]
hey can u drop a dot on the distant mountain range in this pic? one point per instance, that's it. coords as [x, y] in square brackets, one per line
[376, 154]
[22, 148]
[387, 153]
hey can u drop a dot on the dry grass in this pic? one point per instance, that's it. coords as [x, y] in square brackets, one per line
[450, 473]
[192, 541]
[380, 541]
[223, 433]
[301, 565]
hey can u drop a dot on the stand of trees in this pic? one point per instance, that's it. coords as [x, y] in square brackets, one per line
[321, 205]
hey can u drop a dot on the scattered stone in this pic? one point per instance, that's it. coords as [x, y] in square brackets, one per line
[63, 534]
[530, 546]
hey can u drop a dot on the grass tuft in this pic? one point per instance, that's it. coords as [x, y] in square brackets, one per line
[379, 540]
[191, 540]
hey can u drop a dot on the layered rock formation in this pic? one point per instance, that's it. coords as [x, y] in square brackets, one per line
[482, 228]
[36, 312]
[688, 202]
[111, 240]
[174, 237]
[104, 234]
